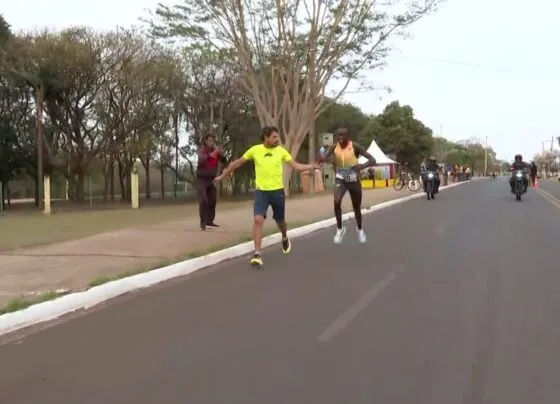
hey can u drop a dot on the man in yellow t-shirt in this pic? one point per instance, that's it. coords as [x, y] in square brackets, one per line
[269, 158]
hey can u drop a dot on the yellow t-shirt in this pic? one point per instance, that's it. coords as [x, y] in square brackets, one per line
[269, 166]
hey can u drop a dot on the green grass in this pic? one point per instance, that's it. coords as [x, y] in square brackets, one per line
[23, 303]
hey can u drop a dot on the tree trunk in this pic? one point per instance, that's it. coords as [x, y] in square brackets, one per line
[148, 180]
[3, 195]
[162, 177]
[122, 181]
[79, 187]
[36, 189]
[106, 181]
[112, 178]
[39, 132]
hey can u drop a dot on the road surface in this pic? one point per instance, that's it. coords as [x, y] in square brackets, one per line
[454, 301]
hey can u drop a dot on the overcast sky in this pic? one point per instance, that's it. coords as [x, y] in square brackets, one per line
[477, 68]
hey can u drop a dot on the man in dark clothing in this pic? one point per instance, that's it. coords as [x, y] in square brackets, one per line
[519, 164]
[209, 156]
[431, 165]
[534, 170]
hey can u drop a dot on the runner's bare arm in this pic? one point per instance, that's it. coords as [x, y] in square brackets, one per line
[363, 152]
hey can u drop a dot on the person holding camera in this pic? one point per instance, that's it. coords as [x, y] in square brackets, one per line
[209, 157]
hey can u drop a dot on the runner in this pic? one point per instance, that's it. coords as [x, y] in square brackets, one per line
[347, 178]
[269, 158]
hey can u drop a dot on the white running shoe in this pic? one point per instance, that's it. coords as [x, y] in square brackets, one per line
[362, 236]
[339, 235]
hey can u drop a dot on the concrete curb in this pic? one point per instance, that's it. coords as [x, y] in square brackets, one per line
[50, 310]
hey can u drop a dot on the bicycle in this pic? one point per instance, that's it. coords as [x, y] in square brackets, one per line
[406, 179]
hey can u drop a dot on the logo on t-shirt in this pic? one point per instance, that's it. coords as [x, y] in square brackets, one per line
[268, 154]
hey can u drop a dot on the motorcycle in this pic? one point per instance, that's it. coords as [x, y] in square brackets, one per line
[518, 185]
[430, 185]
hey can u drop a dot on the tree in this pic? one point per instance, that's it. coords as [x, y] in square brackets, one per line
[338, 115]
[546, 161]
[5, 30]
[403, 135]
[288, 51]
[134, 104]
[478, 156]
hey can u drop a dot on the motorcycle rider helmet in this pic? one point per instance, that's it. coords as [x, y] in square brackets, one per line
[432, 159]
[518, 158]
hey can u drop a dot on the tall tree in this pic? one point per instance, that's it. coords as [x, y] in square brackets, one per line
[5, 30]
[288, 51]
[403, 135]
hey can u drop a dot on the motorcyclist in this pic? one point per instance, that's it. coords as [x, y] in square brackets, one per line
[431, 165]
[519, 164]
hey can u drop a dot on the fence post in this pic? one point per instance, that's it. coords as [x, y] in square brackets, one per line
[134, 191]
[47, 194]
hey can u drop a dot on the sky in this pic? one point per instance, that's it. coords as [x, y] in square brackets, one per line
[475, 69]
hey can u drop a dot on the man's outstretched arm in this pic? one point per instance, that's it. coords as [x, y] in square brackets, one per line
[235, 164]
[303, 167]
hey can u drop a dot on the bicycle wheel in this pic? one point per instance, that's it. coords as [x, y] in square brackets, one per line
[398, 184]
[413, 184]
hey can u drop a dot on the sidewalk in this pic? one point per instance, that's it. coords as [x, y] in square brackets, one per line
[72, 265]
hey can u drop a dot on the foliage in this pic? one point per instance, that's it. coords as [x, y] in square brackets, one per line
[547, 161]
[77, 103]
[286, 52]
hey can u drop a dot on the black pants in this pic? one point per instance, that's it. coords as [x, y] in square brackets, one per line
[355, 191]
[207, 194]
[525, 183]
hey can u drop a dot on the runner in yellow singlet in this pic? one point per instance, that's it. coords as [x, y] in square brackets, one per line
[345, 155]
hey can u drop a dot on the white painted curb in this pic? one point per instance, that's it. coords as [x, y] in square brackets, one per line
[53, 309]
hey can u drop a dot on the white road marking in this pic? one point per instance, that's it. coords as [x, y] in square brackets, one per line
[350, 314]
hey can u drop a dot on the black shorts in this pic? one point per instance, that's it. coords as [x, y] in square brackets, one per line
[354, 188]
[275, 199]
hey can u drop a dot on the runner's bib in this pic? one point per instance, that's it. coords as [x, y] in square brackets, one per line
[346, 174]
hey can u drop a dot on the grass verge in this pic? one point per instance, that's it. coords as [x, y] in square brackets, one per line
[24, 302]
[34, 229]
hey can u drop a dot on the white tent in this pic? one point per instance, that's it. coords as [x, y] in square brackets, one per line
[378, 154]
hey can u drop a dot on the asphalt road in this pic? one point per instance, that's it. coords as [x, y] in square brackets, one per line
[454, 301]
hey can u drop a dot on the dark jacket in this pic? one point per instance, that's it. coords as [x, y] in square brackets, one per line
[521, 165]
[534, 170]
[432, 166]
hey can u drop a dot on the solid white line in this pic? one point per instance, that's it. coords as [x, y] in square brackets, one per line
[350, 314]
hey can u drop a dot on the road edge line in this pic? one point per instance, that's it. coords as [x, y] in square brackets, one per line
[53, 309]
